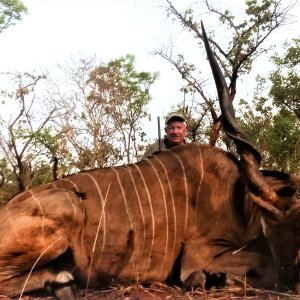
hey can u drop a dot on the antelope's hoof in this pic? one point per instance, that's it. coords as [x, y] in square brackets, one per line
[64, 286]
[195, 279]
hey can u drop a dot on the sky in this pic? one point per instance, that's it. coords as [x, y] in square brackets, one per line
[54, 30]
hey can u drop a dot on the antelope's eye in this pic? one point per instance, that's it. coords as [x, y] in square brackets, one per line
[286, 191]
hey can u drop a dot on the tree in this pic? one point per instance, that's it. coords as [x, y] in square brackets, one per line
[285, 79]
[285, 93]
[273, 121]
[123, 94]
[284, 143]
[10, 12]
[275, 132]
[24, 136]
[8, 188]
[236, 56]
[105, 104]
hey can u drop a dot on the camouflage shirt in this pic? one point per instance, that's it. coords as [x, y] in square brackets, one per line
[154, 148]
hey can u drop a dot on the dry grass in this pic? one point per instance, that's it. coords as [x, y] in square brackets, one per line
[160, 291]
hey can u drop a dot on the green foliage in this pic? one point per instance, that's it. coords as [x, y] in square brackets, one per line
[284, 142]
[285, 79]
[275, 133]
[10, 12]
[43, 147]
[256, 120]
[118, 83]
[122, 94]
[273, 122]
[41, 138]
[10, 185]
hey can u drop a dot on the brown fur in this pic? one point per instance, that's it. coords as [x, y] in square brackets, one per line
[133, 222]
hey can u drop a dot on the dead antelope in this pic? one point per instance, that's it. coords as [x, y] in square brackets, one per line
[194, 206]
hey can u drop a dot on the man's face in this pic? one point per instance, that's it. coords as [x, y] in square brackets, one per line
[176, 132]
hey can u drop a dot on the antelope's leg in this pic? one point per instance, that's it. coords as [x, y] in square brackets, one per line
[33, 234]
[26, 267]
[61, 284]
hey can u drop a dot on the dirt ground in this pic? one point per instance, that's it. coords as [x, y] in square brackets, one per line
[160, 291]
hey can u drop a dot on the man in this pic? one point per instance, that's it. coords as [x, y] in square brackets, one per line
[176, 130]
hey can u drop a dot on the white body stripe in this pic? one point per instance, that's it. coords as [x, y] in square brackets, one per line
[201, 173]
[129, 214]
[186, 191]
[152, 216]
[166, 215]
[173, 207]
[143, 219]
[103, 213]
